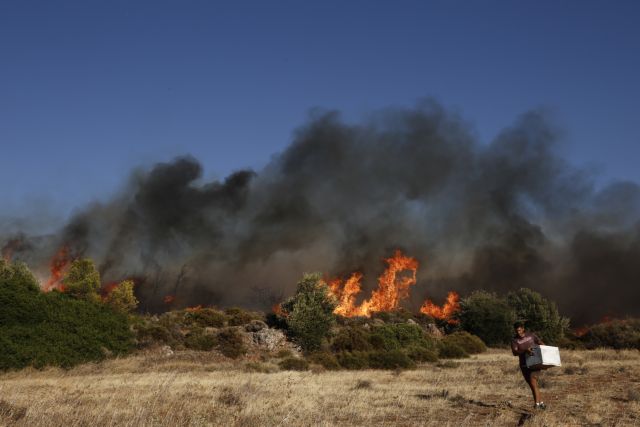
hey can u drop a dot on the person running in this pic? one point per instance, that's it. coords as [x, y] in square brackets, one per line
[521, 346]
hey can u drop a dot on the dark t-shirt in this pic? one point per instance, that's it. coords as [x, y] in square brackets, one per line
[520, 345]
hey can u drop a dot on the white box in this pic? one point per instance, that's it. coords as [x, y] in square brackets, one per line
[543, 357]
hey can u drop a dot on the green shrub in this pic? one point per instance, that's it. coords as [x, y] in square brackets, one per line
[83, 280]
[421, 354]
[618, 334]
[399, 336]
[392, 359]
[153, 332]
[471, 344]
[293, 364]
[353, 361]
[240, 317]
[205, 317]
[39, 329]
[230, 343]
[309, 313]
[351, 338]
[19, 276]
[487, 316]
[540, 315]
[198, 340]
[121, 298]
[451, 350]
[324, 359]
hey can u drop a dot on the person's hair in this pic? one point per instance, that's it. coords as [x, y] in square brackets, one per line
[518, 324]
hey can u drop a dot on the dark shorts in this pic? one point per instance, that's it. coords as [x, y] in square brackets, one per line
[528, 373]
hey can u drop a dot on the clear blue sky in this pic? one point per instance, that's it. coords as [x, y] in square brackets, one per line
[90, 89]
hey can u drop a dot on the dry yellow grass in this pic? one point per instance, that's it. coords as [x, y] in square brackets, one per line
[199, 389]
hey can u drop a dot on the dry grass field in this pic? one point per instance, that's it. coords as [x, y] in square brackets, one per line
[600, 387]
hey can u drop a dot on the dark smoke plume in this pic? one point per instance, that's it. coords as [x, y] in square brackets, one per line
[341, 197]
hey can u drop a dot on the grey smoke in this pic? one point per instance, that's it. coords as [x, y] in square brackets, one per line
[342, 197]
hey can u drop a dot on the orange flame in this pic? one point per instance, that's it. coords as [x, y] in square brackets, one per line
[446, 312]
[58, 266]
[193, 309]
[391, 288]
[277, 310]
[169, 299]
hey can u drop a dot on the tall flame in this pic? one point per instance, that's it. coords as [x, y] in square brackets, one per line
[58, 266]
[446, 312]
[392, 289]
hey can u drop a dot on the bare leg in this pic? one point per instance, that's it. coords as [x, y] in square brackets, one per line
[533, 384]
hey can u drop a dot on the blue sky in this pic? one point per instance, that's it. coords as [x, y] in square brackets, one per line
[90, 89]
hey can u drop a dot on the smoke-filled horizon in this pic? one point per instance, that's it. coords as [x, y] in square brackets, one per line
[341, 197]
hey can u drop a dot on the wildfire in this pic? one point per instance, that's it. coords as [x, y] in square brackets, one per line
[193, 309]
[58, 266]
[446, 312]
[169, 299]
[393, 288]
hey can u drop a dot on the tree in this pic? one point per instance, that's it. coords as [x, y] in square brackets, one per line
[309, 313]
[539, 314]
[122, 298]
[488, 316]
[83, 280]
[19, 275]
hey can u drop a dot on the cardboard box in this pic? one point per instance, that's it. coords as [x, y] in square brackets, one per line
[543, 357]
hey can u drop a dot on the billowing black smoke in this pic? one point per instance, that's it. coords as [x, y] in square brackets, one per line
[499, 217]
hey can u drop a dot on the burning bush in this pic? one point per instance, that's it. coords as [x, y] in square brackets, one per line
[488, 316]
[41, 329]
[309, 313]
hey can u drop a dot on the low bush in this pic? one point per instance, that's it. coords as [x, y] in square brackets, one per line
[284, 352]
[205, 317]
[392, 359]
[618, 334]
[351, 338]
[400, 336]
[230, 343]
[324, 359]
[293, 364]
[198, 340]
[240, 317]
[421, 354]
[148, 333]
[353, 361]
[451, 350]
[471, 344]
